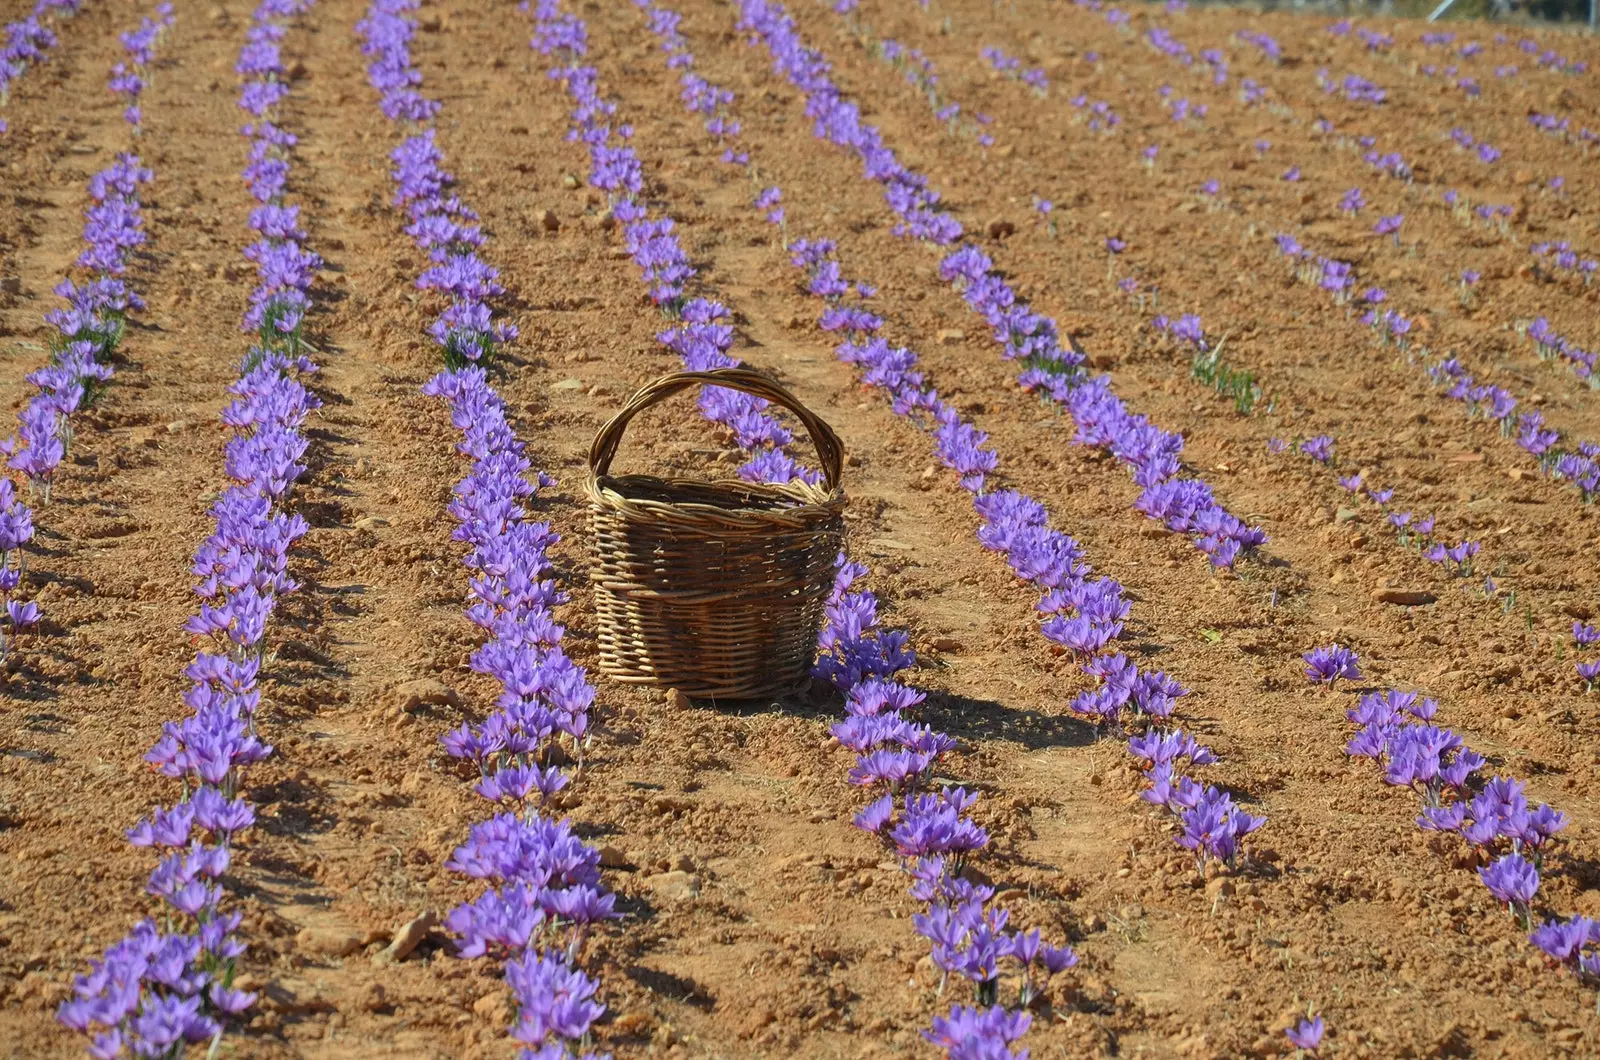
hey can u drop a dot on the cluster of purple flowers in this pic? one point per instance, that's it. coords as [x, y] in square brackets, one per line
[1024, 335]
[1096, 113]
[1217, 62]
[710, 101]
[702, 333]
[1561, 128]
[1182, 108]
[1468, 85]
[1083, 614]
[921, 73]
[1549, 123]
[1545, 58]
[441, 225]
[1375, 41]
[1412, 531]
[1330, 274]
[161, 988]
[16, 530]
[933, 834]
[1486, 152]
[1550, 344]
[1396, 731]
[1033, 76]
[128, 79]
[1165, 43]
[1567, 260]
[914, 64]
[87, 331]
[1326, 666]
[23, 43]
[1389, 163]
[545, 892]
[1186, 330]
[1352, 87]
[1493, 216]
[1585, 637]
[1579, 465]
[1264, 43]
[284, 268]
[968, 939]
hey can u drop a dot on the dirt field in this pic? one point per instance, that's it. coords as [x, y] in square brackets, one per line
[757, 922]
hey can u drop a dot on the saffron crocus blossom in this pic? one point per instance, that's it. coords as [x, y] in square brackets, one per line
[1319, 448]
[1325, 666]
[1569, 943]
[1306, 1035]
[1513, 881]
[1389, 225]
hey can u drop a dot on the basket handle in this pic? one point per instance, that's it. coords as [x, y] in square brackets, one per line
[830, 451]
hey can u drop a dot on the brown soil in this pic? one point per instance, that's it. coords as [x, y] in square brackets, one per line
[788, 932]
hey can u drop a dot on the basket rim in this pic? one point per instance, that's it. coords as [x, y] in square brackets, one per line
[808, 505]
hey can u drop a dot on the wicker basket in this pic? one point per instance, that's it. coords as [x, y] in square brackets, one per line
[713, 588]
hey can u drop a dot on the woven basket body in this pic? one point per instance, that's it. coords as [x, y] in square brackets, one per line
[713, 588]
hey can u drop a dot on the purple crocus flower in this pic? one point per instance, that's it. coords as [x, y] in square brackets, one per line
[1306, 1035]
[1319, 448]
[1327, 665]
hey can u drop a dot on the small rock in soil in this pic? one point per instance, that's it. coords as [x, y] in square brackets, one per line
[675, 886]
[413, 695]
[1408, 597]
[408, 938]
[329, 942]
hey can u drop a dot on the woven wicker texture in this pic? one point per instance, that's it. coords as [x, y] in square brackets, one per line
[713, 588]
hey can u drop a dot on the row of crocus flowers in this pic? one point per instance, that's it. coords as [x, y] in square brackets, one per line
[86, 332]
[169, 982]
[544, 892]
